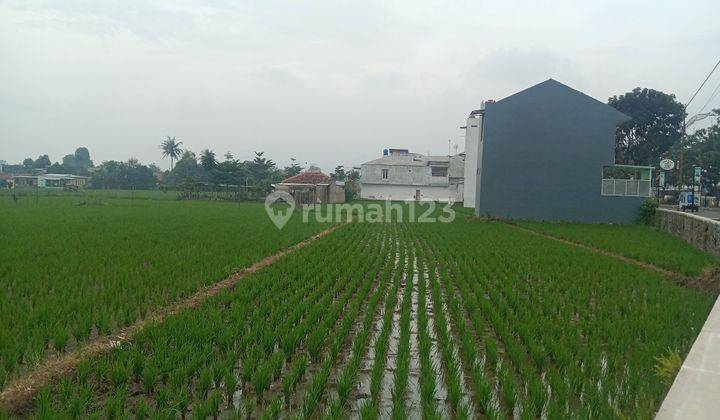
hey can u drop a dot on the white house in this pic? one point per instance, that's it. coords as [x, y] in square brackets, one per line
[50, 181]
[401, 175]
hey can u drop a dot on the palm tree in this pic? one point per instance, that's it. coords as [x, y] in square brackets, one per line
[171, 148]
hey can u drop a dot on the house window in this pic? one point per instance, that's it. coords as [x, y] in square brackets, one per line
[385, 173]
[439, 171]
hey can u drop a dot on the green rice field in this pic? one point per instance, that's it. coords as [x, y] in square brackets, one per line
[637, 242]
[467, 319]
[71, 268]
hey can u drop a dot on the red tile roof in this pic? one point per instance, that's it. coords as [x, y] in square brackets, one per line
[310, 178]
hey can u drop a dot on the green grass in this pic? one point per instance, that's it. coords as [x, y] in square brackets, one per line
[639, 242]
[67, 268]
[89, 194]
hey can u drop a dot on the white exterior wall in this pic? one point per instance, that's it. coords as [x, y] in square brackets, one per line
[401, 174]
[409, 173]
[472, 156]
[407, 192]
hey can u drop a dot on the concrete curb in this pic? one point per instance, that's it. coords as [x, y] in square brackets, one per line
[694, 393]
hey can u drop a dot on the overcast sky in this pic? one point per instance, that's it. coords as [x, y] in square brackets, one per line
[329, 82]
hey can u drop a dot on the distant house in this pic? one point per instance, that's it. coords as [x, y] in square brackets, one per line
[5, 180]
[27, 181]
[50, 181]
[313, 187]
[548, 153]
[402, 175]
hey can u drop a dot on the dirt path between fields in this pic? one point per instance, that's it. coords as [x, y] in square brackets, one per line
[18, 395]
[708, 281]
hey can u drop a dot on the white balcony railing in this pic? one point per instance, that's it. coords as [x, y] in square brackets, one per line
[626, 187]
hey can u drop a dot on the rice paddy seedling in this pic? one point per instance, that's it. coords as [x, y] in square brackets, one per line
[381, 345]
[367, 411]
[360, 342]
[182, 400]
[213, 403]
[427, 373]
[230, 387]
[293, 376]
[273, 411]
[261, 381]
[315, 391]
[402, 363]
[142, 410]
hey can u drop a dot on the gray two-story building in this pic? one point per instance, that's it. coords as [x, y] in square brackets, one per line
[548, 153]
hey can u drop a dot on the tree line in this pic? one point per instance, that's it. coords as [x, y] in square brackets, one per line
[255, 177]
[187, 170]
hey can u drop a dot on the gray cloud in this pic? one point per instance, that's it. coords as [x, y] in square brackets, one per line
[320, 81]
[523, 67]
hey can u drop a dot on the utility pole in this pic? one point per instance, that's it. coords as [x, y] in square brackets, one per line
[680, 160]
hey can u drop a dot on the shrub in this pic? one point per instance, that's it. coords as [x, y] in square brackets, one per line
[646, 214]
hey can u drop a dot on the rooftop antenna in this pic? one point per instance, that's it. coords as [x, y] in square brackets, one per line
[449, 147]
[456, 148]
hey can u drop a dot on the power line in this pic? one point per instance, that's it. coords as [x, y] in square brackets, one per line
[702, 84]
[712, 96]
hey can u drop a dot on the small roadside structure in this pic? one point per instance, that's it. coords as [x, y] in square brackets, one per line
[313, 187]
[548, 153]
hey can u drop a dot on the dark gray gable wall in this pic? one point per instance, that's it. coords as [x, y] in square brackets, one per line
[543, 150]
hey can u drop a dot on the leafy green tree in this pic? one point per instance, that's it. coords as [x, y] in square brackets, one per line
[57, 168]
[28, 163]
[702, 148]
[229, 171]
[352, 185]
[656, 124]
[171, 148]
[123, 175]
[293, 169]
[69, 161]
[207, 160]
[339, 174]
[42, 162]
[263, 172]
[82, 159]
[186, 169]
[353, 175]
